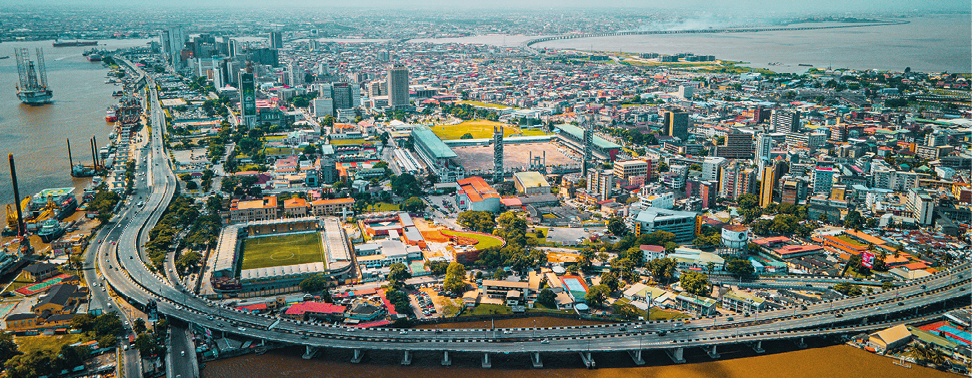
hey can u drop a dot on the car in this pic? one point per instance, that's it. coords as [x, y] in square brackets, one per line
[403, 332]
[662, 333]
[729, 319]
[623, 328]
[350, 329]
[242, 329]
[637, 326]
[438, 331]
[900, 303]
[183, 353]
[303, 337]
[545, 341]
[125, 347]
[838, 315]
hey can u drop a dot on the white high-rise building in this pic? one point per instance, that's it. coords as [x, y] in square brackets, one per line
[398, 87]
[711, 167]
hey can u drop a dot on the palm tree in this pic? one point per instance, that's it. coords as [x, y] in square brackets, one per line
[927, 354]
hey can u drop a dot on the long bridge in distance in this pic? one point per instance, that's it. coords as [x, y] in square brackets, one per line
[534, 41]
[123, 266]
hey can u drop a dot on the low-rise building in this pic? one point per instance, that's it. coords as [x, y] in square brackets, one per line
[335, 206]
[700, 306]
[255, 210]
[530, 183]
[742, 302]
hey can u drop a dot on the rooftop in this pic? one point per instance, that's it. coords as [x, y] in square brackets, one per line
[426, 137]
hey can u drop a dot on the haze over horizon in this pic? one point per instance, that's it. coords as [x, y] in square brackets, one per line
[816, 7]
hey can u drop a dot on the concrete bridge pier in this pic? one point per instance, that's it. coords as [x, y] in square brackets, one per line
[445, 359]
[587, 359]
[358, 355]
[535, 358]
[801, 344]
[486, 363]
[636, 356]
[758, 347]
[711, 351]
[310, 352]
[676, 355]
[407, 360]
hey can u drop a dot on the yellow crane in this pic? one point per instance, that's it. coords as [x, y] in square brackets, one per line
[12, 213]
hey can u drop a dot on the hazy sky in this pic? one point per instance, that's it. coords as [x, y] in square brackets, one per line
[815, 6]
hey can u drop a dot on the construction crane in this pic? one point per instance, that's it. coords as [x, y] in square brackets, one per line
[11, 228]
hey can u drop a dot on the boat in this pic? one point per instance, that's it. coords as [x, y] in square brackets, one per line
[32, 88]
[117, 94]
[805, 65]
[50, 230]
[5, 57]
[94, 58]
[110, 115]
[74, 43]
[81, 170]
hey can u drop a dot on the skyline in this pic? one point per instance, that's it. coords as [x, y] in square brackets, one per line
[815, 7]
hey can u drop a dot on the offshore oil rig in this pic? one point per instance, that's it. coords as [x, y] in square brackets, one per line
[32, 89]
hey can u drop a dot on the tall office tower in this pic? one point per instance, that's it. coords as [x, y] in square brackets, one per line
[398, 87]
[343, 98]
[712, 167]
[248, 97]
[738, 146]
[677, 124]
[276, 40]
[588, 144]
[767, 185]
[785, 121]
[383, 56]
[498, 154]
[764, 143]
[176, 43]
[823, 181]
[760, 115]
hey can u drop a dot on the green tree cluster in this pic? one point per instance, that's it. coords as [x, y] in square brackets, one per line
[662, 269]
[695, 283]
[479, 221]
[397, 275]
[454, 281]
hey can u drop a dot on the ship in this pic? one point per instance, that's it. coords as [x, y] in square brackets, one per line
[94, 57]
[74, 43]
[32, 89]
[110, 115]
[5, 57]
[50, 230]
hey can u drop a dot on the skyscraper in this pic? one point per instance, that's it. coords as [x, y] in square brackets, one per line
[785, 121]
[276, 40]
[767, 185]
[398, 87]
[248, 97]
[764, 143]
[341, 93]
[174, 41]
[498, 154]
[677, 124]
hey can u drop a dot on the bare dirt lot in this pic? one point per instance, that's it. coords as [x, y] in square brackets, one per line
[480, 158]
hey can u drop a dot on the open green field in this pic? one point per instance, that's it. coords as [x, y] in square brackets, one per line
[480, 129]
[487, 309]
[851, 241]
[28, 344]
[486, 104]
[383, 206]
[282, 250]
[484, 240]
[346, 142]
[656, 313]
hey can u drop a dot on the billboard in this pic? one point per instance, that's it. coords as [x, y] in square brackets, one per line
[867, 259]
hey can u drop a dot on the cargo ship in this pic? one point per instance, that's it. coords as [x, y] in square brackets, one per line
[110, 115]
[32, 89]
[50, 230]
[74, 43]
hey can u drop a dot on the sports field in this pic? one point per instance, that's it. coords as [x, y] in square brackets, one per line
[282, 250]
[483, 241]
[480, 129]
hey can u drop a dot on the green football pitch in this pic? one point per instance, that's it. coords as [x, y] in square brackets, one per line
[271, 251]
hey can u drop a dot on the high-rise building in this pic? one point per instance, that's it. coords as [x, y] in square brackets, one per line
[737, 146]
[588, 148]
[677, 125]
[498, 172]
[343, 98]
[712, 167]
[248, 97]
[708, 191]
[936, 139]
[276, 40]
[398, 87]
[791, 192]
[737, 179]
[174, 41]
[785, 121]
[764, 144]
[823, 181]
[600, 182]
[760, 115]
[767, 185]
[623, 170]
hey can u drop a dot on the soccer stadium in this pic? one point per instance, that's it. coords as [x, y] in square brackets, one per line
[273, 257]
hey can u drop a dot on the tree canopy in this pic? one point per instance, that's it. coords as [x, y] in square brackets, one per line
[695, 283]
[479, 221]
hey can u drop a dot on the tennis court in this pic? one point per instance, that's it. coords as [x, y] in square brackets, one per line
[43, 286]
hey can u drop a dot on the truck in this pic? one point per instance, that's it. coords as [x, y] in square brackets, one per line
[131, 339]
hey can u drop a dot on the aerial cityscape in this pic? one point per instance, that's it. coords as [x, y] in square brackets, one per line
[324, 189]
